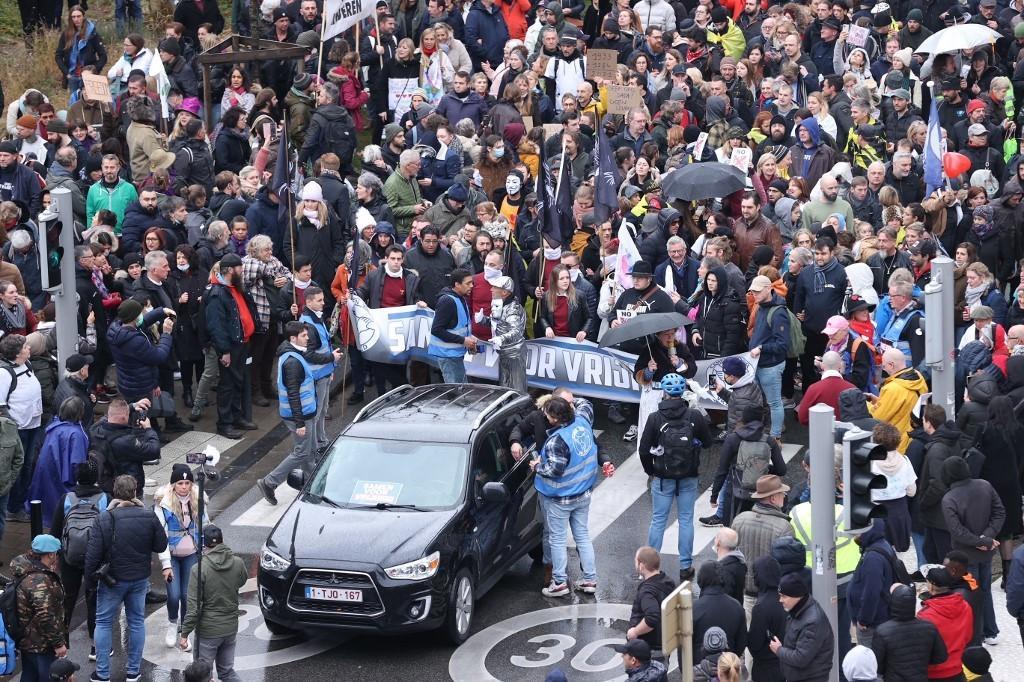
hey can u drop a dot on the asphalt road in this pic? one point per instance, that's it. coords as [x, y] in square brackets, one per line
[518, 634]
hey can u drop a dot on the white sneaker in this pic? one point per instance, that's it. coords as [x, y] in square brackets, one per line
[992, 641]
[171, 636]
[556, 589]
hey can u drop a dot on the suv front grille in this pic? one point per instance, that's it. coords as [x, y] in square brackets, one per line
[372, 605]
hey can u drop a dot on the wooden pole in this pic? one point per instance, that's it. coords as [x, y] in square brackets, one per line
[320, 54]
[376, 20]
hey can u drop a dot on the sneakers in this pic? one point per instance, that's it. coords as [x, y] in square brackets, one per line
[685, 574]
[268, 492]
[102, 397]
[133, 677]
[615, 415]
[556, 589]
[586, 586]
[630, 434]
[788, 404]
[97, 678]
[92, 653]
[196, 413]
[992, 641]
[171, 636]
[713, 521]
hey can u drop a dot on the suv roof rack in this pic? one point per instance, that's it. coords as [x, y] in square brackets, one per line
[382, 401]
[493, 406]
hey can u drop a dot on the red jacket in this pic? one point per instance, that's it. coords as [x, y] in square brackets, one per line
[480, 299]
[953, 618]
[825, 391]
[514, 13]
[351, 93]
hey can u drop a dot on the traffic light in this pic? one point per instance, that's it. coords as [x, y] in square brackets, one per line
[858, 480]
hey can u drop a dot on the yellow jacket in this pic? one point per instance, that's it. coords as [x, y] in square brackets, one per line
[847, 551]
[733, 42]
[897, 398]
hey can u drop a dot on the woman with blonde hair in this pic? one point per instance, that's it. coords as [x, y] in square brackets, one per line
[818, 106]
[436, 70]
[730, 668]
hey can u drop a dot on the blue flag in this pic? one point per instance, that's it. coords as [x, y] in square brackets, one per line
[607, 179]
[933, 151]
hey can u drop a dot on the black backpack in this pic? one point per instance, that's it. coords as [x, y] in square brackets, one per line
[80, 514]
[680, 451]
[9, 608]
[900, 574]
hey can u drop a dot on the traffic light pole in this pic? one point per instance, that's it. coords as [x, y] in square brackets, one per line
[65, 301]
[823, 520]
[938, 324]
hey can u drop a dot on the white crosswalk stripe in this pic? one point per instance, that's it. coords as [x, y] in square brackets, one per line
[702, 536]
[175, 451]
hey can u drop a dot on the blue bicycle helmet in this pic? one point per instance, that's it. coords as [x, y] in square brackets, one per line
[672, 384]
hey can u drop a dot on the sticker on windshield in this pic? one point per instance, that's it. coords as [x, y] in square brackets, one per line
[375, 492]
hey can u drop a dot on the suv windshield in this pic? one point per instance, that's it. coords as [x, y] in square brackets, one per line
[378, 473]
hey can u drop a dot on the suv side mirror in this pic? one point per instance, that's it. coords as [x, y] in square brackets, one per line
[494, 492]
[296, 479]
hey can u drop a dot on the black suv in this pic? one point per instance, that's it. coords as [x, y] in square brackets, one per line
[417, 508]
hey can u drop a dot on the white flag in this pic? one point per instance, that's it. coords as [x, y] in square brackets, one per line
[163, 83]
[629, 256]
[339, 15]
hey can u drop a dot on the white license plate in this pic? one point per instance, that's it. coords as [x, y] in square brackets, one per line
[334, 594]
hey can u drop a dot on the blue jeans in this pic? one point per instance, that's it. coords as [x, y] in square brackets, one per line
[36, 667]
[127, 10]
[684, 492]
[982, 572]
[453, 370]
[108, 602]
[918, 539]
[770, 379]
[558, 518]
[177, 589]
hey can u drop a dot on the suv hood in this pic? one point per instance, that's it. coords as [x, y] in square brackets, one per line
[386, 537]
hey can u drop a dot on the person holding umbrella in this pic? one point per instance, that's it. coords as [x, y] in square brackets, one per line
[660, 357]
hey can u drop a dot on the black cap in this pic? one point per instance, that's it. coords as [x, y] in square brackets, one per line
[279, 13]
[792, 585]
[832, 22]
[940, 576]
[63, 668]
[637, 648]
[170, 46]
[641, 269]
[611, 26]
[719, 15]
[951, 83]
[182, 472]
[212, 535]
[77, 362]
[230, 261]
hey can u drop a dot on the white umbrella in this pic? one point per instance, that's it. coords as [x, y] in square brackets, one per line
[956, 38]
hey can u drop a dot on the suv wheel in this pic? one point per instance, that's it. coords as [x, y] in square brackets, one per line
[277, 628]
[460, 607]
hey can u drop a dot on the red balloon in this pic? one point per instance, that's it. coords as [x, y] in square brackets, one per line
[955, 164]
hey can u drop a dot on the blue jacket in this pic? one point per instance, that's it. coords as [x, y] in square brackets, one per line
[1015, 584]
[134, 225]
[138, 360]
[868, 592]
[223, 324]
[774, 341]
[486, 35]
[262, 218]
[686, 282]
[65, 446]
[472, 106]
[139, 534]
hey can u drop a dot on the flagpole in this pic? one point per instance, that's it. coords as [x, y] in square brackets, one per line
[320, 54]
[291, 207]
[376, 20]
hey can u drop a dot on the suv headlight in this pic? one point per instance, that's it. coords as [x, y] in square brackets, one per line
[271, 561]
[421, 569]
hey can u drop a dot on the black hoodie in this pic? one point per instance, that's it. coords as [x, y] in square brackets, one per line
[647, 606]
[905, 645]
[942, 444]
[720, 320]
[672, 409]
[767, 620]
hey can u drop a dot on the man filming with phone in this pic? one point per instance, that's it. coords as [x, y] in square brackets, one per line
[122, 576]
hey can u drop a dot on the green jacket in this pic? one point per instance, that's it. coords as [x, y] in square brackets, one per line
[223, 575]
[402, 196]
[12, 455]
[300, 113]
[116, 200]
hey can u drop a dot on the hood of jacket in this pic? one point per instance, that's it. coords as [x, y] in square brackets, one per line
[715, 109]
[853, 405]
[784, 211]
[263, 196]
[982, 388]
[767, 573]
[954, 470]
[910, 379]
[790, 554]
[665, 217]
[903, 603]
[555, 7]
[27, 563]
[332, 112]
[673, 408]
[860, 665]
[811, 126]
[972, 357]
[875, 532]
[750, 431]
[948, 433]
[220, 558]
[723, 282]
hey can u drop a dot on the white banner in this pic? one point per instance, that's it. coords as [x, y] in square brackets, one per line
[339, 15]
[400, 95]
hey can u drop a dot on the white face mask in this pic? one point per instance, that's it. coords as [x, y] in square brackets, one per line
[574, 274]
[513, 184]
[491, 273]
[183, 267]
[552, 254]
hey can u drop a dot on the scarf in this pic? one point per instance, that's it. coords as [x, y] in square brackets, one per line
[693, 55]
[299, 284]
[101, 286]
[974, 294]
[244, 314]
[438, 72]
[983, 230]
[1018, 350]
[820, 275]
[77, 45]
[396, 275]
[313, 217]
[15, 316]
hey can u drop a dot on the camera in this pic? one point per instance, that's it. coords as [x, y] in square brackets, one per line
[103, 575]
[138, 416]
[210, 457]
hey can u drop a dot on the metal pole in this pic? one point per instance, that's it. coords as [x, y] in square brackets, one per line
[35, 517]
[200, 480]
[939, 325]
[823, 519]
[65, 301]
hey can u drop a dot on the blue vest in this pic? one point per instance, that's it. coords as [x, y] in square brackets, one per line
[307, 390]
[175, 532]
[894, 330]
[325, 370]
[445, 349]
[580, 473]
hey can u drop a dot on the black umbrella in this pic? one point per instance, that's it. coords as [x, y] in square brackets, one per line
[642, 325]
[703, 181]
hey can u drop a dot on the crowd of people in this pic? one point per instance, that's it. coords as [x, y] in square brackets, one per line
[817, 269]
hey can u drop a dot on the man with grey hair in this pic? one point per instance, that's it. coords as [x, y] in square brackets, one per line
[904, 180]
[827, 389]
[370, 195]
[211, 247]
[887, 259]
[904, 329]
[330, 130]
[678, 274]
[402, 192]
[62, 175]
